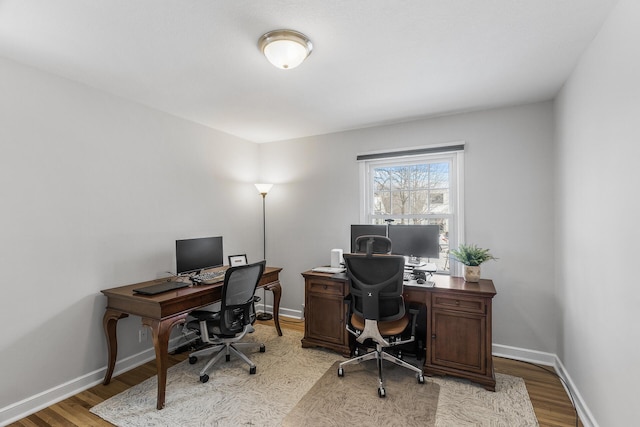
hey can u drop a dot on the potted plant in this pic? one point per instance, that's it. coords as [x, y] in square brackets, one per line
[471, 256]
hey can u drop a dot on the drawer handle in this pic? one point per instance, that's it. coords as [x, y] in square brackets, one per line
[325, 287]
[457, 302]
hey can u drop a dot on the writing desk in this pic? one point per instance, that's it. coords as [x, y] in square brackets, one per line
[163, 311]
[458, 324]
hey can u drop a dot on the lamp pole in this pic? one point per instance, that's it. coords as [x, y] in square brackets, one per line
[263, 189]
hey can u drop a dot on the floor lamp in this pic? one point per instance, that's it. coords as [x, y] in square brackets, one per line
[263, 189]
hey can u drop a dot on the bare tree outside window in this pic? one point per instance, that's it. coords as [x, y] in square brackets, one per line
[414, 193]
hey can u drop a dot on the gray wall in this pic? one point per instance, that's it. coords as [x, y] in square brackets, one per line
[598, 148]
[509, 209]
[95, 191]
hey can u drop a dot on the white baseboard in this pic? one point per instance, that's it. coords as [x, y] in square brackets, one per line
[49, 397]
[552, 360]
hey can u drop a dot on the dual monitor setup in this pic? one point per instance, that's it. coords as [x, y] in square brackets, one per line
[414, 241]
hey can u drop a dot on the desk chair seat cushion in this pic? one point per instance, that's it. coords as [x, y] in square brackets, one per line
[213, 323]
[389, 328]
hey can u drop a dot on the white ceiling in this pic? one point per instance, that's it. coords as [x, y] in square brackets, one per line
[374, 61]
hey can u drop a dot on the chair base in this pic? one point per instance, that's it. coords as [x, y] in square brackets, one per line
[379, 355]
[225, 349]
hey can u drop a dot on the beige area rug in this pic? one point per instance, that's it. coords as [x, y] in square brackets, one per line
[440, 402]
[353, 399]
[289, 377]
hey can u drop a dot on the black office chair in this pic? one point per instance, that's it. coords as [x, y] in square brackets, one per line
[225, 328]
[376, 307]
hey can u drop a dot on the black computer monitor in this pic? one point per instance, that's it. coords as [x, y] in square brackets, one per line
[415, 241]
[198, 254]
[358, 230]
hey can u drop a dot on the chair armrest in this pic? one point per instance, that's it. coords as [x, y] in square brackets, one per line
[201, 315]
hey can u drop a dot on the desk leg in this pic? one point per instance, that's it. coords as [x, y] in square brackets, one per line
[109, 323]
[277, 293]
[161, 330]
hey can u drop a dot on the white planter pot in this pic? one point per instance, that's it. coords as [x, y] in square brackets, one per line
[471, 273]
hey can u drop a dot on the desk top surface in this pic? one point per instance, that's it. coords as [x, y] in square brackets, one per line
[442, 283]
[126, 291]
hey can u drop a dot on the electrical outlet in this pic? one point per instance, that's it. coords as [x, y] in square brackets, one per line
[143, 334]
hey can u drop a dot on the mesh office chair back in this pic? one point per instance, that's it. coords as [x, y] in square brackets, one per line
[376, 285]
[240, 284]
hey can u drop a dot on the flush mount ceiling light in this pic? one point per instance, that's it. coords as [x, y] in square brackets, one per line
[285, 49]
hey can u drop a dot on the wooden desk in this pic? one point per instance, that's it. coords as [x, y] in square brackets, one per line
[458, 323]
[163, 311]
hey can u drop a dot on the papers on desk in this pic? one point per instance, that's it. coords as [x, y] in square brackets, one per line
[332, 270]
[414, 283]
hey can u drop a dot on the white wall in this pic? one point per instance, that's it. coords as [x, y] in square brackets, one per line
[95, 190]
[509, 195]
[598, 211]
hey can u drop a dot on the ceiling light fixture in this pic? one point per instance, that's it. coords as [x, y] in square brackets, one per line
[285, 49]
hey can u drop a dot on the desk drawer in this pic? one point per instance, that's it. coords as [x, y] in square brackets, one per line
[330, 287]
[459, 303]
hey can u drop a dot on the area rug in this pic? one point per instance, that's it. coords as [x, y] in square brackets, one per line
[440, 402]
[353, 399]
[231, 397]
[283, 390]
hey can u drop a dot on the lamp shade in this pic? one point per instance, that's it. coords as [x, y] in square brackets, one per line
[285, 49]
[263, 188]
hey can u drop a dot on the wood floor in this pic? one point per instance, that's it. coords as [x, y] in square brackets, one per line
[550, 401]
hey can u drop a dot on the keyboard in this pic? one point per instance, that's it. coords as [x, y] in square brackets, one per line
[160, 287]
[407, 276]
[209, 277]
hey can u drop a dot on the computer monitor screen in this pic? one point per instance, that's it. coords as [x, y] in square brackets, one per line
[415, 241]
[198, 254]
[358, 230]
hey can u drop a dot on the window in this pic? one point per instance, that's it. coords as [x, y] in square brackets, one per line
[416, 188]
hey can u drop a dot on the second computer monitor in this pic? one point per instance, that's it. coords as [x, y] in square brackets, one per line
[415, 241]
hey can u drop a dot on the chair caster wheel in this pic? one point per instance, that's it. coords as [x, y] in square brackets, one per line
[262, 348]
[228, 357]
[340, 372]
[252, 370]
[192, 360]
[420, 379]
[381, 392]
[204, 378]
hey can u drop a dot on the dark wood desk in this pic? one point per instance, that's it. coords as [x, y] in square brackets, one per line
[163, 311]
[458, 323]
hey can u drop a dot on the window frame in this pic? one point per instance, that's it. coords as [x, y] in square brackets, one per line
[455, 158]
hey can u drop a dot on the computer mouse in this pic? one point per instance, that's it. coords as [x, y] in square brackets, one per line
[420, 281]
